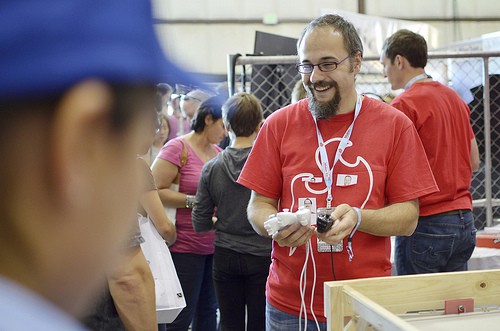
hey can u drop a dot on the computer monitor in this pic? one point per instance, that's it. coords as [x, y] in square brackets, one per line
[273, 44]
[273, 84]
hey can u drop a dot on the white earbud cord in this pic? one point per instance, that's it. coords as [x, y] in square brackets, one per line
[314, 284]
[302, 287]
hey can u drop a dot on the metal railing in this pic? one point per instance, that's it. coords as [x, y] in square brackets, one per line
[474, 75]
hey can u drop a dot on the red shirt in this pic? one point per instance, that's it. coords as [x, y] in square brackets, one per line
[442, 120]
[384, 157]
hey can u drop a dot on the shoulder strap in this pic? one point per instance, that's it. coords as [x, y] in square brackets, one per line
[184, 155]
[183, 162]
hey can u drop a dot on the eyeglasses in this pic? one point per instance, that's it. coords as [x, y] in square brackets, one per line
[188, 97]
[307, 68]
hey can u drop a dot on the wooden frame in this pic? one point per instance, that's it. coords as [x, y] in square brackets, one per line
[377, 301]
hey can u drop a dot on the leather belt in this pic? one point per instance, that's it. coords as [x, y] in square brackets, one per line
[453, 212]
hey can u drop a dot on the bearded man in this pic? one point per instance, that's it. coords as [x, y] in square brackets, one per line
[308, 148]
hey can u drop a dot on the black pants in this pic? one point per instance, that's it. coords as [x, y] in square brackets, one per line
[240, 285]
[195, 275]
[103, 315]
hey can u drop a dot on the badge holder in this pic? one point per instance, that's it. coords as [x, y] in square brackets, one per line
[324, 223]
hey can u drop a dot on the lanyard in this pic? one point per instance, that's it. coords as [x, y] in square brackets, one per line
[414, 79]
[325, 164]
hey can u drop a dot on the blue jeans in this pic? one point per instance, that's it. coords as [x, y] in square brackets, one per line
[441, 243]
[240, 285]
[277, 320]
[195, 275]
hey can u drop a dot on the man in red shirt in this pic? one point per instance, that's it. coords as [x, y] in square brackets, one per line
[445, 236]
[308, 150]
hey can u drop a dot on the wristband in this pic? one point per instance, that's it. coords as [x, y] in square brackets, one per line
[349, 240]
[358, 212]
[190, 201]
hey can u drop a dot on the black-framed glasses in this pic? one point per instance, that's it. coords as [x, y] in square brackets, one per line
[307, 68]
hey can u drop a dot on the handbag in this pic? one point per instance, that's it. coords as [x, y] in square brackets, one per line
[172, 212]
[168, 290]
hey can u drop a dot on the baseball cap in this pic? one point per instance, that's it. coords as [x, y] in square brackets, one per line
[48, 46]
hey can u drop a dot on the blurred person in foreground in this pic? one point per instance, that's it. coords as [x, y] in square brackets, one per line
[72, 101]
[241, 257]
[305, 151]
[128, 301]
[445, 236]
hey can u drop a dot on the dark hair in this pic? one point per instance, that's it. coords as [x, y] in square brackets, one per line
[409, 44]
[243, 113]
[352, 41]
[158, 101]
[210, 107]
[129, 102]
[155, 112]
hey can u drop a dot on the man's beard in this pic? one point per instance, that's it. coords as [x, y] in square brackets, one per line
[323, 110]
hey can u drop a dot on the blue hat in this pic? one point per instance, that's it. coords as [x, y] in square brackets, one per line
[48, 46]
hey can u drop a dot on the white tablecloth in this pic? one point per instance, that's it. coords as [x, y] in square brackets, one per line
[484, 258]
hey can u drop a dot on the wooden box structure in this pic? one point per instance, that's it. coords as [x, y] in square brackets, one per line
[414, 302]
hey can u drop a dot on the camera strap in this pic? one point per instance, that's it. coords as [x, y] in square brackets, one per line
[325, 163]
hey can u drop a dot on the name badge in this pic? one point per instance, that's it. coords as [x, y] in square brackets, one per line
[309, 203]
[346, 180]
[324, 247]
[312, 179]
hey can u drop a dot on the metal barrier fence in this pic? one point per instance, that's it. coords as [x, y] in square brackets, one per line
[474, 75]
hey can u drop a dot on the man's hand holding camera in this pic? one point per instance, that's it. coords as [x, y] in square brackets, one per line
[344, 219]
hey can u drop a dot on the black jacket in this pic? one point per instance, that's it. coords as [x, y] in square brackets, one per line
[219, 191]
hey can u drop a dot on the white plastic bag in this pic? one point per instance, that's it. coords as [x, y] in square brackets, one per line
[172, 212]
[169, 296]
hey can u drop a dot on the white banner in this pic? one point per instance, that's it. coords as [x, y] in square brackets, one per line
[373, 30]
